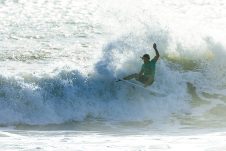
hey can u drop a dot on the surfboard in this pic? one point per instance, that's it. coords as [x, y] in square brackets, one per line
[138, 85]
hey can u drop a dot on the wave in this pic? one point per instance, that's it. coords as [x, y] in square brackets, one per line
[187, 78]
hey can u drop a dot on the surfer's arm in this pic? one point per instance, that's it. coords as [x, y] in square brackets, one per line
[156, 52]
[141, 72]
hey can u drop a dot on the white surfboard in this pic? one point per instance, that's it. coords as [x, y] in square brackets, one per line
[138, 85]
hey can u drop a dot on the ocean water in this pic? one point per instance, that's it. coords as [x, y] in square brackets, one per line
[59, 60]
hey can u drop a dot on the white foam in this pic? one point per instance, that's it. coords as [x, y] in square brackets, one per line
[31, 140]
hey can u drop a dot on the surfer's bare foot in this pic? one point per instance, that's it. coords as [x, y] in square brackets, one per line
[146, 85]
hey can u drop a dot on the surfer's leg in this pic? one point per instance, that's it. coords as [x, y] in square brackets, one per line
[129, 77]
[143, 79]
[151, 82]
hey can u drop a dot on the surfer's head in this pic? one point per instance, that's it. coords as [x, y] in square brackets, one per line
[145, 58]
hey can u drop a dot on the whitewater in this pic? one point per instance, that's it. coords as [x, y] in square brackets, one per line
[59, 60]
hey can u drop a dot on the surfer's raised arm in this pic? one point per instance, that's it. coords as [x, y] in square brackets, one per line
[156, 51]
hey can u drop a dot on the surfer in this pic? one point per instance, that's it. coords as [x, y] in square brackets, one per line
[147, 73]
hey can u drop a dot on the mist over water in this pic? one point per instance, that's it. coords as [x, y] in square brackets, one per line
[59, 61]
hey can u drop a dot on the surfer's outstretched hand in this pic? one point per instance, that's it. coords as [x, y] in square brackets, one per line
[154, 46]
